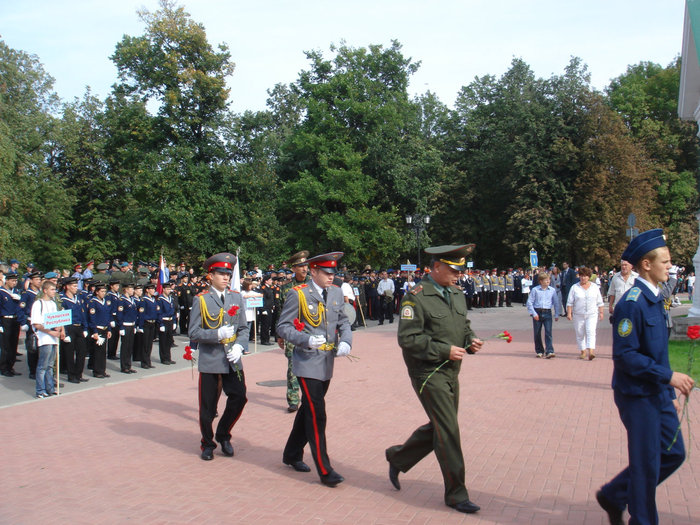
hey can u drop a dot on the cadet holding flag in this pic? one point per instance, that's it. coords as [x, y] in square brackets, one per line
[643, 385]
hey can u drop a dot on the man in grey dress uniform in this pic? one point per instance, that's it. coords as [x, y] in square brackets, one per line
[219, 328]
[314, 321]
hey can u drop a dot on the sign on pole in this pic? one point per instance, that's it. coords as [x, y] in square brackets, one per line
[56, 319]
[533, 259]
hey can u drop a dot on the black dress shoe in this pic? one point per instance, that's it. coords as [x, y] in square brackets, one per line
[15, 373]
[73, 380]
[207, 454]
[394, 476]
[614, 514]
[7, 374]
[299, 466]
[32, 376]
[106, 375]
[332, 479]
[466, 506]
[226, 448]
[132, 371]
[83, 380]
[292, 408]
[172, 362]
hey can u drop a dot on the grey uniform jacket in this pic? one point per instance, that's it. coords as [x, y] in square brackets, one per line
[314, 364]
[212, 355]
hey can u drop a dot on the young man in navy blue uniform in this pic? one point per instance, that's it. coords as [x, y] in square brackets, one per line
[74, 345]
[643, 385]
[127, 317]
[166, 323]
[99, 311]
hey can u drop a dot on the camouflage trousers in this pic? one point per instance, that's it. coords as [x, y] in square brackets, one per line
[292, 381]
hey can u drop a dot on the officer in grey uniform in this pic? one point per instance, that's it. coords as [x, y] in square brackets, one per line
[218, 326]
[314, 321]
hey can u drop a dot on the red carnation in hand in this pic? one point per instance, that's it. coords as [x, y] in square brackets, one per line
[188, 353]
[693, 332]
[298, 325]
[233, 310]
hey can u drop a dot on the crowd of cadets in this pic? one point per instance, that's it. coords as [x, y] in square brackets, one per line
[112, 303]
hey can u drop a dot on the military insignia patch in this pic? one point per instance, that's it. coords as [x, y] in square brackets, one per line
[109, 303]
[633, 294]
[22, 304]
[121, 308]
[625, 327]
[92, 311]
[142, 309]
[407, 312]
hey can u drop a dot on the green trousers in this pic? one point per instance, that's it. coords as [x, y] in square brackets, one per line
[440, 400]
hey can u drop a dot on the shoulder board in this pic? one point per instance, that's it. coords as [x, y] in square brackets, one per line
[300, 286]
[634, 294]
[201, 293]
[416, 289]
[234, 291]
[335, 285]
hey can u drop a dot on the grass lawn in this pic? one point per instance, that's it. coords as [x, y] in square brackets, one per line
[678, 355]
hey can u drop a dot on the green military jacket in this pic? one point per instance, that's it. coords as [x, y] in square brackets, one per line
[428, 327]
[291, 284]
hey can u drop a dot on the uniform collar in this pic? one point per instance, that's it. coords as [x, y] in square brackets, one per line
[651, 291]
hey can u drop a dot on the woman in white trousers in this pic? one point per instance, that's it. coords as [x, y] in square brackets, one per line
[584, 307]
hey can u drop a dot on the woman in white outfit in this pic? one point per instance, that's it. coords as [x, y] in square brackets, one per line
[585, 307]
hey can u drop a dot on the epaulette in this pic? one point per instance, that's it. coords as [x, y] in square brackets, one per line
[416, 289]
[633, 294]
[300, 286]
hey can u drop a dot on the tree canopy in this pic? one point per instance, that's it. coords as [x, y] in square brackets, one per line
[337, 160]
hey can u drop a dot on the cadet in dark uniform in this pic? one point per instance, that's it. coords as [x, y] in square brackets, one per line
[643, 385]
[113, 299]
[434, 335]
[267, 310]
[127, 317]
[149, 318]
[74, 345]
[313, 320]
[99, 313]
[218, 326]
[166, 323]
[12, 321]
[185, 294]
[30, 338]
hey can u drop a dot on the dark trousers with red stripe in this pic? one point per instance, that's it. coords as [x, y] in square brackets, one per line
[235, 391]
[310, 426]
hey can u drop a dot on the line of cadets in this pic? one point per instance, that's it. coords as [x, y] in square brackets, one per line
[102, 317]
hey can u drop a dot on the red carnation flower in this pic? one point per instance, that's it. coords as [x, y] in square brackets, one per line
[693, 332]
[298, 325]
[233, 310]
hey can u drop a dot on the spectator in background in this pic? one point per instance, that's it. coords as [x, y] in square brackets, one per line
[585, 308]
[555, 277]
[525, 284]
[619, 284]
[691, 284]
[543, 298]
[568, 278]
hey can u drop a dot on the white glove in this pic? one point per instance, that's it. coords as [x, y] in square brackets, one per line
[122, 332]
[139, 330]
[85, 334]
[1, 330]
[25, 327]
[174, 326]
[234, 353]
[343, 349]
[100, 340]
[67, 339]
[226, 332]
[315, 341]
[16, 297]
[162, 329]
[264, 312]
[112, 324]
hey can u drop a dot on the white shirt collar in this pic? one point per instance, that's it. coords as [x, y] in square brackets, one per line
[654, 289]
[318, 288]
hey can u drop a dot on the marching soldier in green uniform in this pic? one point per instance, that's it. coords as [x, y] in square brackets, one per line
[101, 276]
[434, 335]
[301, 275]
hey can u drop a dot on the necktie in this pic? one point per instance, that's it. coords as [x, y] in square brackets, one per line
[325, 294]
[223, 299]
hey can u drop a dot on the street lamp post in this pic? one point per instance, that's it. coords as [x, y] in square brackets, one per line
[418, 222]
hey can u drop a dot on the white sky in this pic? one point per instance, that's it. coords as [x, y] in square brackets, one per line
[455, 40]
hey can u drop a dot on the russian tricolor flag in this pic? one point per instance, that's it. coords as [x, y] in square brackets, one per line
[162, 275]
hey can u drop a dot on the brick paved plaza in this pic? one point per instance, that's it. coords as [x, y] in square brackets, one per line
[539, 438]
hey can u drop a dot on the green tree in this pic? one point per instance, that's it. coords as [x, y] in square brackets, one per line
[35, 210]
